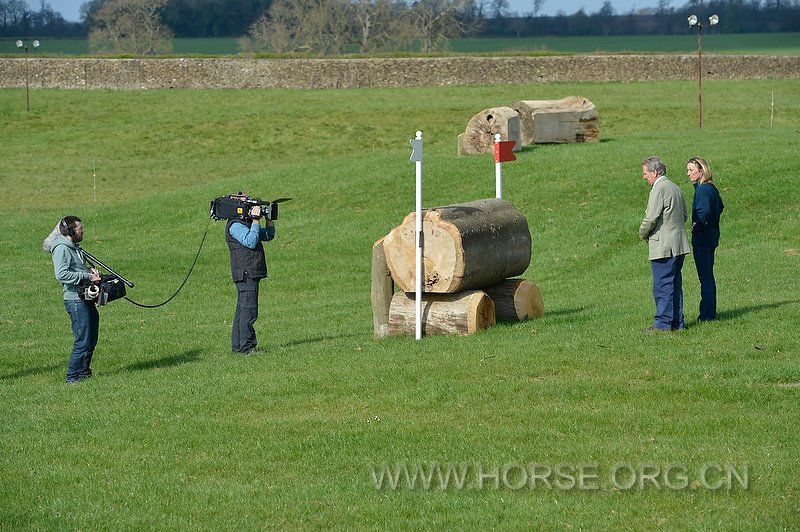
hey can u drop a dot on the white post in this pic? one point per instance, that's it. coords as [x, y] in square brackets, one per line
[498, 172]
[772, 109]
[418, 327]
[94, 181]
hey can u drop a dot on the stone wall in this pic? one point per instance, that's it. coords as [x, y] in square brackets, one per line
[406, 72]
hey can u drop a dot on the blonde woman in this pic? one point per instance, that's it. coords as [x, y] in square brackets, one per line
[706, 210]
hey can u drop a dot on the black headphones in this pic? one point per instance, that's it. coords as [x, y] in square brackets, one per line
[66, 229]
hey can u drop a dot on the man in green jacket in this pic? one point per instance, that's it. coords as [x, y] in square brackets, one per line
[664, 230]
[71, 270]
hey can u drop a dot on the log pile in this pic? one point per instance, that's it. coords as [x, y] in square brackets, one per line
[570, 119]
[481, 129]
[471, 251]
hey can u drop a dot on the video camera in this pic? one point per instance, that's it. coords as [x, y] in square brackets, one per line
[237, 206]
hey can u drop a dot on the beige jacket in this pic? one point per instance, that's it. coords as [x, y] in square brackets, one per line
[663, 225]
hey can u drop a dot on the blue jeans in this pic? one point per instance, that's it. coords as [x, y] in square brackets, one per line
[85, 325]
[704, 261]
[668, 293]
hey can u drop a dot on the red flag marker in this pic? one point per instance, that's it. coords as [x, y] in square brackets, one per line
[503, 151]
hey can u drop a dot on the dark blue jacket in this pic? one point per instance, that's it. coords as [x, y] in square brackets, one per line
[706, 210]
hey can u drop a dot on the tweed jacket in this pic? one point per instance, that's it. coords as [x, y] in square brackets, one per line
[664, 221]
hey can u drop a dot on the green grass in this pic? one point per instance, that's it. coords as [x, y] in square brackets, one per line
[175, 432]
[731, 43]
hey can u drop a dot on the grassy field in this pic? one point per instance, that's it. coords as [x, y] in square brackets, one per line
[175, 432]
[754, 43]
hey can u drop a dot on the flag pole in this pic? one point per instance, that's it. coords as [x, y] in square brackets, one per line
[418, 328]
[498, 170]
[416, 156]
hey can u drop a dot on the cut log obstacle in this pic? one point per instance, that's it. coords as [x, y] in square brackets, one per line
[479, 135]
[381, 291]
[570, 119]
[463, 313]
[516, 300]
[466, 246]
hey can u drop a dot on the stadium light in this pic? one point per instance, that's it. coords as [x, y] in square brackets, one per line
[35, 45]
[694, 22]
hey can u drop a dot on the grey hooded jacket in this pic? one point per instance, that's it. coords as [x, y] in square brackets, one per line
[69, 266]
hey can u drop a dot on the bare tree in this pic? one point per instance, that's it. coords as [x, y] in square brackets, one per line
[537, 7]
[321, 26]
[436, 21]
[499, 8]
[130, 26]
[381, 24]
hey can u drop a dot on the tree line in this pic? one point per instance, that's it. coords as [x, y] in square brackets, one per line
[333, 26]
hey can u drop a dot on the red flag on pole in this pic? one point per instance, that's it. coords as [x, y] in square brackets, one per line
[503, 151]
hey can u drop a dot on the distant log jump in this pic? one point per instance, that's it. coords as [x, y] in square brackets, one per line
[481, 129]
[570, 119]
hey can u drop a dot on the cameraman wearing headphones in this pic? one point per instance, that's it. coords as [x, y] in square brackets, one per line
[71, 270]
[248, 267]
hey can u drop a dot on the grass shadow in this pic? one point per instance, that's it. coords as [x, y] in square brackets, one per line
[316, 339]
[192, 355]
[31, 371]
[735, 313]
[565, 311]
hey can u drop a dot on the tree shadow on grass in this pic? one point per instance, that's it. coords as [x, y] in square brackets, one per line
[735, 313]
[193, 355]
[32, 371]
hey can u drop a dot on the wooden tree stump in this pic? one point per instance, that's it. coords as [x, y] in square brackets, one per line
[570, 119]
[381, 291]
[465, 246]
[481, 129]
[462, 313]
[516, 300]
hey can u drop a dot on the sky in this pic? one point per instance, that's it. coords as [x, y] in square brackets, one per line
[70, 9]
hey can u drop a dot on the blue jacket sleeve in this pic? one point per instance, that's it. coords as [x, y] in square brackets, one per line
[246, 236]
[702, 207]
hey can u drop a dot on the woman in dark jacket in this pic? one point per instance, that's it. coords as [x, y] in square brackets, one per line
[706, 210]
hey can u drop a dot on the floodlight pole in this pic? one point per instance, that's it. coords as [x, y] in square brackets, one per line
[693, 21]
[20, 44]
[699, 76]
[27, 91]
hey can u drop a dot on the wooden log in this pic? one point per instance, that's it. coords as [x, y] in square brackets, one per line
[462, 313]
[516, 300]
[479, 135]
[525, 113]
[465, 246]
[570, 119]
[381, 291]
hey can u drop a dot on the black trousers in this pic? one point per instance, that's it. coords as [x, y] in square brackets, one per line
[704, 261]
[243, 334]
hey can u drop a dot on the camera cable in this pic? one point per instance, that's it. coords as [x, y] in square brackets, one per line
[197, 255]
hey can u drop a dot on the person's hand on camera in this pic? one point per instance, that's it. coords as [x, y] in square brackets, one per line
[255, 212]
[95, 276]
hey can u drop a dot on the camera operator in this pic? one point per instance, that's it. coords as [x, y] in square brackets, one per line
[248, 267]
[71, 270]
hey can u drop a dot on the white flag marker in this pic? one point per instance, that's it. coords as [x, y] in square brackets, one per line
[416, 156]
